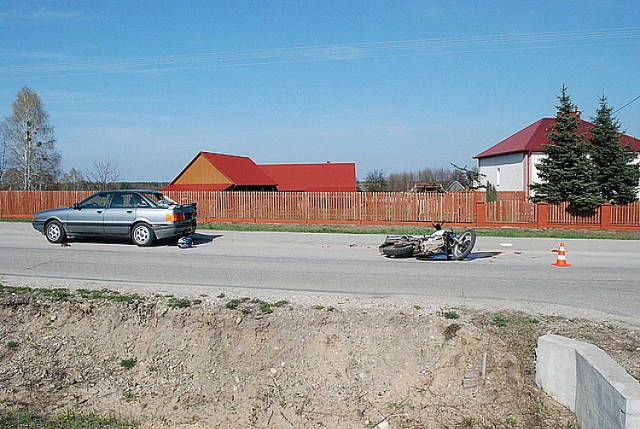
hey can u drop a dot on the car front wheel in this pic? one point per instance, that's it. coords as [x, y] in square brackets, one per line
[142, 235]
[54, 232]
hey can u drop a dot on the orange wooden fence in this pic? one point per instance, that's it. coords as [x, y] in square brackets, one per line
[511, 209]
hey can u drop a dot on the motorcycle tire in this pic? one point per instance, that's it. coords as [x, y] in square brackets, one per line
[467, 240]
[402, 251]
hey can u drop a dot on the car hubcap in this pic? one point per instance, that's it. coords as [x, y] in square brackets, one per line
[141, 234]
[54, 232]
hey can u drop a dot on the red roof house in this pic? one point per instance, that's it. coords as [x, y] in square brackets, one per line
[327, 177]
[217, 172]
[510, 165]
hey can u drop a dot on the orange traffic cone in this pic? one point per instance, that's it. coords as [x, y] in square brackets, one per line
[562, 257]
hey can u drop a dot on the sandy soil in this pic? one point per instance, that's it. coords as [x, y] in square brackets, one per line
[208, 366]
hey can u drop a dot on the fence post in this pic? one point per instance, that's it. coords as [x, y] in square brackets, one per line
[542, 215]
[605, 216]
[481, 214]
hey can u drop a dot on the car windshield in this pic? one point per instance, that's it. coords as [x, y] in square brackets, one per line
[159, 200]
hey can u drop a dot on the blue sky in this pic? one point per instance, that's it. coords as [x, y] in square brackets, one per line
[392, 85]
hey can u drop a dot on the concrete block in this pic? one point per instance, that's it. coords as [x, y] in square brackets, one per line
[556, 368]
[586, 380]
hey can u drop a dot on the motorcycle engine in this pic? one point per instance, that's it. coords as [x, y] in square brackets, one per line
[434, 243]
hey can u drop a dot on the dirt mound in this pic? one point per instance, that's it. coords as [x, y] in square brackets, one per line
[209, 366]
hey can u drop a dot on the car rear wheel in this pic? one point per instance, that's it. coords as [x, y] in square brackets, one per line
[142, 235]
[55, 232]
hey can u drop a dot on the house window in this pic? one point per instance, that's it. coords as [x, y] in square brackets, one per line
[498, 177]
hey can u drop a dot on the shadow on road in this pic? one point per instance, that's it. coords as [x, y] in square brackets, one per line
[203, 238]
[472, 256]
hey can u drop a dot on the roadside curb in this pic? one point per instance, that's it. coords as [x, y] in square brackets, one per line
[585, 379]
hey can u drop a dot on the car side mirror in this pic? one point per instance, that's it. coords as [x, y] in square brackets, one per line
[76, 206]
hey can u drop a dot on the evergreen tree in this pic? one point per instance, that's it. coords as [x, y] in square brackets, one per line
[616, 176]
[567, 174]
[491, 193]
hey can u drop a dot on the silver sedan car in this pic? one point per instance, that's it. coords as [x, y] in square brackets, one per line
[144, 216]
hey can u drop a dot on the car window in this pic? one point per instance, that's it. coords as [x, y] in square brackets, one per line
[123, 200]
[97, 201]
[160, 200]
[138, 201]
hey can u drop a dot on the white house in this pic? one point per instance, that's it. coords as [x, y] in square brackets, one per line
[511, 164]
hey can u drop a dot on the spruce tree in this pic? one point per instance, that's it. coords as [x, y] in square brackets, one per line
[616, 176]
[566, 173]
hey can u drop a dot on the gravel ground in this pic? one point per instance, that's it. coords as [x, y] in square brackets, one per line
[229, 362]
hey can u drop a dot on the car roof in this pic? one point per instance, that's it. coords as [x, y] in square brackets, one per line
[121, 191]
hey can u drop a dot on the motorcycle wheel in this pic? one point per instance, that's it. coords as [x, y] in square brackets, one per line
[402, 251]
[467, 240]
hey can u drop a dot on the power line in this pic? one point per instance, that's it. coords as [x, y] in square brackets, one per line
[617, 110]
[352, 51]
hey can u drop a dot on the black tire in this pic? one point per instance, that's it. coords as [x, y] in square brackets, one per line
[142, 235]
[467, 240]
[55, 232]
[398, 251]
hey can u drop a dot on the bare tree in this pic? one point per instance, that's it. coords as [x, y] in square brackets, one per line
[375, 181]
[32, 161]
[406, 180]
[73, 180]
[472, 178]
[3, 161]
[104, 173]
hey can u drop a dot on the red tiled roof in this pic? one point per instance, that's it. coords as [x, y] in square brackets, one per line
[327, 177]
[213, 187]
[241, 170]
[533, 137]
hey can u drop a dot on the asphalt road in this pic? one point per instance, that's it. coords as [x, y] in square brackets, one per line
[603, 282]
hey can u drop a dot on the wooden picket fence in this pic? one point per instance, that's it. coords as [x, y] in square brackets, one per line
[511, 209]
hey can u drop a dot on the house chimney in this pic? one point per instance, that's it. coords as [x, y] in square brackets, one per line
[576, 113]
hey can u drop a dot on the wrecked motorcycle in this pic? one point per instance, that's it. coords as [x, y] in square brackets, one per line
[442, 241]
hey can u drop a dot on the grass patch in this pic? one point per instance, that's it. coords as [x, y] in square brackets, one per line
[413, 230]
[14, 290]
[61, 294]
[174, 302]
[12, 344]
[109, 295]
[57, 294]
[26, 419]
[426, 229]
[246, 305]
[128, 363]
[568, 233]
[451, 315]
[501, 320]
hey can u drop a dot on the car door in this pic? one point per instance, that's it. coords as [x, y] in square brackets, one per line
[86, 217]
[119, 216]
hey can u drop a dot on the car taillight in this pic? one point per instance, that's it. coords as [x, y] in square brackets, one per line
[175, 217]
